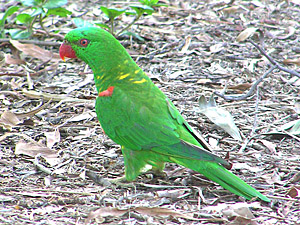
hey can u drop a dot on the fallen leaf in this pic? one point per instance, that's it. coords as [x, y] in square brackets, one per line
[217, 68]
[269, 145]
[52, 137]
[35, 51]
[293, 192]
[241, 209]
[295, 178]
[204, 81]
[219, 116]
[9, 59]
[246, 33]
[216, 48]
[158, 211]
[34, 149]
[231, 9]
[241, 87]
[186, 44]
[172, 193]
[273, 178]
[104, 212]
[150, 211]
[290, 30]
[240, 166]
[292, 61]
[83, 116]
[9, 119]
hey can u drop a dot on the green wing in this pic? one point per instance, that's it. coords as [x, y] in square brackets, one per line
[149, 122]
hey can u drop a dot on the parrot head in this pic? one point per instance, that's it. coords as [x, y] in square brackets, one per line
[83, 42]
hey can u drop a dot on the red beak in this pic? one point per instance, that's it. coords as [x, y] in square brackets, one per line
[66, 50]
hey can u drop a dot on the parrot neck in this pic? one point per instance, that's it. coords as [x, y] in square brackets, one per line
[114, 68]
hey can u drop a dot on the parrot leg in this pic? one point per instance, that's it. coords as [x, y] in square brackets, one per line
[135, 162]
[121, 182]
[106, 182]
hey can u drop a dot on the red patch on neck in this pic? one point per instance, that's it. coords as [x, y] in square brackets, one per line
[107, 93]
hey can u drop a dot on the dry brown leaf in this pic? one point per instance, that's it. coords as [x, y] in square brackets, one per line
[158, 211]
[269, 145]
[155, 211]
[52, 137]
[295, 178]
[237, 210]
[34, 149]
[292, 61]
[35, 51]
[241, 87]
[104, 212]
[8, 120]
[9, 59]
[186, 45]
[246, 33]
[294, 192]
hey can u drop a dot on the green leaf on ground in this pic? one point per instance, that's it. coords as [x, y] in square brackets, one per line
[19, 33]
[141, 9]
[112, 13]
[59, 12]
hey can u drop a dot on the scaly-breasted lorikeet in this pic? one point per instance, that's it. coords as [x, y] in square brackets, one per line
[137, 115]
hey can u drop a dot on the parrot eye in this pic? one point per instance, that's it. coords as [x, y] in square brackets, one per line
[84, 42]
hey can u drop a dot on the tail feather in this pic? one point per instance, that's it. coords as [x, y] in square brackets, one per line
[222, 176]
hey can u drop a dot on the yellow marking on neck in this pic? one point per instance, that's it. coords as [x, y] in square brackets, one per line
[139, 81]
[137, 71]
[124, 76]
[99, 77]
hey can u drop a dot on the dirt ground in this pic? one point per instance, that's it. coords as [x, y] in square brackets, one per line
[55, 156]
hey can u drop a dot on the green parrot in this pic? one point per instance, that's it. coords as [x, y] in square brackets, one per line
[137, 115]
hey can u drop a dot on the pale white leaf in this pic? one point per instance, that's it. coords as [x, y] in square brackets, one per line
[216, 48]
[246, 33]
[219, 116]
[52, 137]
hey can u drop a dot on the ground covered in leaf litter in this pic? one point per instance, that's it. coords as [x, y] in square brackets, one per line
[54, 154]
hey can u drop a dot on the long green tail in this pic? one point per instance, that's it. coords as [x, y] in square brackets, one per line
[222, 176]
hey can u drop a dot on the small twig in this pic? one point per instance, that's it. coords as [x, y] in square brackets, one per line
[40, 166]
[250, 92]
[129, 25]
[253, 87]
[292, 72]
[256, 112]
[47, 43]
